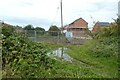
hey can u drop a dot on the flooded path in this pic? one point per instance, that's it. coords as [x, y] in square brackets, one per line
[60, 52]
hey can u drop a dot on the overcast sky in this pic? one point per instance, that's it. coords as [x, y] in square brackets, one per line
[44, 13]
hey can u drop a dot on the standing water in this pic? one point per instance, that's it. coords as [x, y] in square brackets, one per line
[60, 52]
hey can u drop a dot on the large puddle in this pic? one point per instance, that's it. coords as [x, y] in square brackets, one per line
[60, 52]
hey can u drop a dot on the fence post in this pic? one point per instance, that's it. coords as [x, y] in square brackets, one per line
[35, 35]
[58, 37]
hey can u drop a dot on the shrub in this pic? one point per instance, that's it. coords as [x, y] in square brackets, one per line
[22, 57]
[7, 30]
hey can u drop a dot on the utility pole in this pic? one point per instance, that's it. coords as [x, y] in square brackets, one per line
[61, 27]
[61, 18]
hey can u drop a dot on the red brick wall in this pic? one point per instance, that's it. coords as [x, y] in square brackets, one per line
[79, 31]
[80, 23]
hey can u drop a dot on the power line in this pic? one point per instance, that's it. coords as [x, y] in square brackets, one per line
[55, 15]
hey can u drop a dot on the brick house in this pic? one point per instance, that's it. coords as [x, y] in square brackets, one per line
[77, 27]
[99, 25]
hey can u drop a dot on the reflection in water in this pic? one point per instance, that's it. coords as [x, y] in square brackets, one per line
[60, 53]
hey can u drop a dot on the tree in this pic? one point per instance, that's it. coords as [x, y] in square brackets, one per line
[29, 27]
[29, 30]
[54, 30]
[39, 29]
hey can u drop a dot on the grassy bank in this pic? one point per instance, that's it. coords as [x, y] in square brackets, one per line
[95, 59]
[104, 66]
[99, 54]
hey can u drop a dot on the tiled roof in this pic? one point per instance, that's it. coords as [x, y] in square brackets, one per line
[104, 23]
[77, 20]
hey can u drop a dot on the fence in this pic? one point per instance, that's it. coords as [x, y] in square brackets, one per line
[46, 36]
[54, 37]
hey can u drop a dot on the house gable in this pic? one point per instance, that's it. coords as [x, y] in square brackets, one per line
[77, 27]
[100, 25]
[79, 23]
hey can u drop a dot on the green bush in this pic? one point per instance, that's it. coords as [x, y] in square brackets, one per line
[106, 42]
[7, 30]
[23, 58]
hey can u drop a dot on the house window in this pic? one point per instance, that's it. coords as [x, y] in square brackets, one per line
[81, 29]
